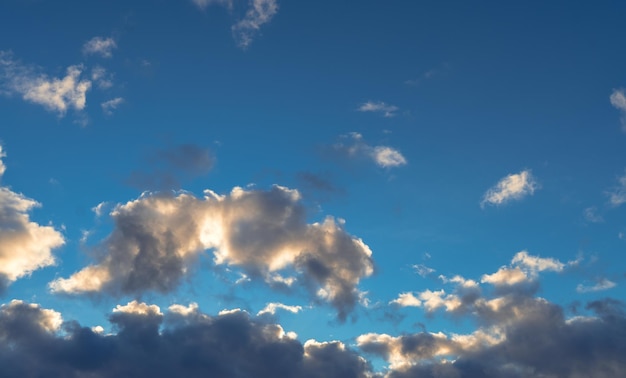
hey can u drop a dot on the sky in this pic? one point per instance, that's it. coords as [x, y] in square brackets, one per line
[272, 188]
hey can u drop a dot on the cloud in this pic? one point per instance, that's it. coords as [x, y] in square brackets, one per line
[100, 46]
[54, 94]
[423, 270]
[25, 246]
[378, 107]
[618, 100]
[512, 187]
[407, 300]
[169, 167]
[109, 106]
[357, 148]
[518, 334]
[617, 195]
[271, 308]
[601, 285]
[181, 342]
[259, 13]
[158, 238]
[203, 4]
[101, 77]
[591, 215]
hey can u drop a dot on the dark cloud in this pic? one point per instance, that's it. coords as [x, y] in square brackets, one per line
[184, 343]
[168, 168]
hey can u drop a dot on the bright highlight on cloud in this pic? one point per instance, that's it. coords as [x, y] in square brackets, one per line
[618, 100]
[271, 308]
[379, 107]
[357, 148]
[512, 187]
[158, 238]
[100, 46]
[25, 246]
[55, 94]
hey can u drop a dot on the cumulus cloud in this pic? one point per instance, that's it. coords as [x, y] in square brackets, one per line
[524, 269]
[25, 246]
[378, 107]
[108, 107]
[618, 100]
[185, 343]
[271, 308]
[258, 14]
[157, 239]
[617, 195]
[100, 46]
[357, 148]
[512, 187]
[54, 94]
[518, 335]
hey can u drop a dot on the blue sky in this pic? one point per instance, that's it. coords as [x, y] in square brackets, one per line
[391, 189]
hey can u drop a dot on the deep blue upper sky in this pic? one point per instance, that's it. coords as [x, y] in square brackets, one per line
[238, 153]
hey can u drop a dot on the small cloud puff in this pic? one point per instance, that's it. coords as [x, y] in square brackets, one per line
[100, 46]
[618, 100]
[512, 187]
[357, 148]
[378, 107]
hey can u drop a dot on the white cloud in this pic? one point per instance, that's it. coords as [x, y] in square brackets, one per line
[271, 308]
[100, 46]
[536, 263]
[505, 276]
[99, 208]
[357, 148]
[407, 300]
[138, 308]
[259, 13]
[618, 100]
[378, 107]
[54, 94]
[601, 285]
[25, 246]
[524, 268]
[158, 238]
[617, 195]
[512, 187]
[109, 106]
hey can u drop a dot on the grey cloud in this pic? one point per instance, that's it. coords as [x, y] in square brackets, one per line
[157, 239]
[183, 342]
[169, 167]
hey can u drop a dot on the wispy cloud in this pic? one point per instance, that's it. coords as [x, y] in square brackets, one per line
[387, 110]
[600, 285]
[271, 308]
[357, 148]
[108, 107]
[617, 195]
[203, 4]
[512, 187]
[618, 100]
[100, 46]
[101, 77]
[55, 94]
[259, 13]
[591, 215]
[423, 270]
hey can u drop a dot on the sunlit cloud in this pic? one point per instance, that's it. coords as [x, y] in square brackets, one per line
[512, 187]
